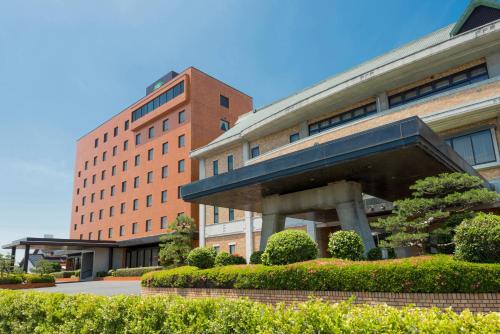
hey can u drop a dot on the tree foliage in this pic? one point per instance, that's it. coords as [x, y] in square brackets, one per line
[44, 267]
[5, 264]
[437, 205]
[176, 245]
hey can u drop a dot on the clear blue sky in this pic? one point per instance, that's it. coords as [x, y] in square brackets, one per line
[67, 66]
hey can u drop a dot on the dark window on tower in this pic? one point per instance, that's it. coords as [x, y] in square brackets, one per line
[138, 139]
[165, 125]
[182, 116]
[135, 204]
[105, 139]
[122, 230]
[164, 172]
[182, 141]
[150, 154]
[149, 225]
[96, 142]
[135, 226]
[137, 160]
[110, 232]
[136, 182]
[125, 145]
[180, 166]
[164, 148]
[216, 214]
[150, 177]
[115, 131]
[255, 152]
[149, 200]
[294, 137]
[230, 164]
[231, 215]
[224, 101]
[122, 208]
[126, 125]
[124, 186]
[163, 222]
[115, 149]
[215, 166]
[224, 125]
[164, 196]
[151, 132]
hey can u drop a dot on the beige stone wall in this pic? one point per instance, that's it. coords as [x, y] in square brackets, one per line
[419, 109]
[278, 139]
[236, 151]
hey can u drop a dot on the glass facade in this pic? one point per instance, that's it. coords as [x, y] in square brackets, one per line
[158, 101]
[476, 148]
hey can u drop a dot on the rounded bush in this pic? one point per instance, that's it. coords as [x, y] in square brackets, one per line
[256, 257]
[202, 257]
[226, 259]
[289, 246]
[478, 239]
[346, 245]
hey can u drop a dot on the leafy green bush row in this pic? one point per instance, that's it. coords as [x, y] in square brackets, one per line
[289, 246]
[26, 278]
[30, 312]
[226, 259]
[422, 274]
[139, 271]
[65, 274]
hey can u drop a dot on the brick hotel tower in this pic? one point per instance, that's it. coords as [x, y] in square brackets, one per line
[129, 170]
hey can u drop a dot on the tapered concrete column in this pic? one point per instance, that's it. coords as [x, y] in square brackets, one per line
[271, 223]
[248, 235]
[303, 130]
[13, 257]
[351, 211]
[26, 258]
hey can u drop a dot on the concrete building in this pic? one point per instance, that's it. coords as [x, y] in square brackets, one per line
[336, 154]
[129, 170]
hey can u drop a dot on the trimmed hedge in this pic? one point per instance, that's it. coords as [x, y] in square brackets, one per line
[134, 272]
[27, 278]
[478, 239]
[346, 245]
[439, 273]
[11, 279]
[32, 312]
[256, 257]
[202, 257]
[226, 259]
[289, 246]
[64, 274]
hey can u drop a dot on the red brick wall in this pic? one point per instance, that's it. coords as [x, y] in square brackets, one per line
[476, 302]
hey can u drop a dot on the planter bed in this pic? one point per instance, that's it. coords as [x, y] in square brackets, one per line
[113, 278]
[68, 280]
[26, 286]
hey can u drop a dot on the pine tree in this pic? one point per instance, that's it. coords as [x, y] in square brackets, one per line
[437, 205]
[176, 245]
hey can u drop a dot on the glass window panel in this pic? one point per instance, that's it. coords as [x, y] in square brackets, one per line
[358, 112]
[482, 144]
[371, 107]
[163, 99]
[442, 84]
[156, 102]
[396, 99]
[335, 120]
[411, 94]
[425, 90]
[459, 78]
[478, 71]
[169, 95]
[463, 146]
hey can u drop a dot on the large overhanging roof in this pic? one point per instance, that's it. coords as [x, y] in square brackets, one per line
[60, 244]
[386, 160]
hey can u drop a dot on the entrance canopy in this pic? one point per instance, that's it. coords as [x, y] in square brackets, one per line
[59, 244]
[385, 160]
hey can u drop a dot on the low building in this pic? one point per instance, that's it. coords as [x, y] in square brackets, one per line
[333, 155]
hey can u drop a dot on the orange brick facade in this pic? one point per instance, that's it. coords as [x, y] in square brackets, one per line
[108, 180]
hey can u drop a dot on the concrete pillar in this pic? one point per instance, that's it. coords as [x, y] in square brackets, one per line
[26, 258]
[303, 129]
[110, 258]
[382, 102]
[493, 64]
[201, 224]
[248, 235]
[202, 208]
[351, 211]
[13, 256]
[246, 151]
[271, 223]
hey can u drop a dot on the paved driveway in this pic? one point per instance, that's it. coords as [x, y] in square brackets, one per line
[103, 288]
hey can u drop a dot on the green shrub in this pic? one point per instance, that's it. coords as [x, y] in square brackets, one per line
[63, 274]
[34, 312]
[135, 272]
[478, 239]
[202, 257]
[46, 267]
[289, 246]
[256, 257]
[37, 278]
[11, 279]
[346, 245]
[439, 273]
[226, 259]
[101, 274]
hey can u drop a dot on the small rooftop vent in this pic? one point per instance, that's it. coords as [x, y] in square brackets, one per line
[160, 82]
